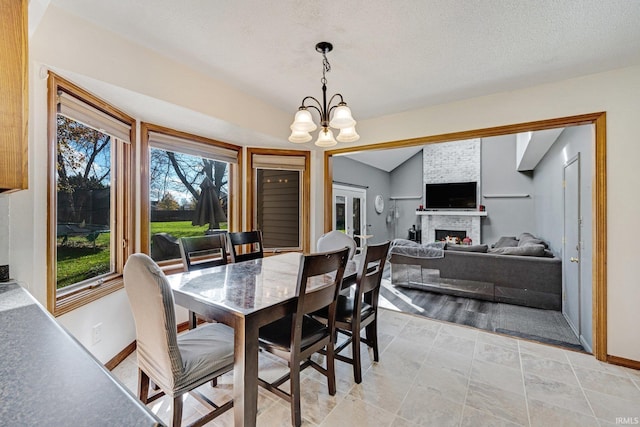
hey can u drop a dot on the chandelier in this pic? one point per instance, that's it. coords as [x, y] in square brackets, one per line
[337, 116]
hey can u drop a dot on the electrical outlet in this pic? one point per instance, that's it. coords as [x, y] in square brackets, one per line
[96, 335]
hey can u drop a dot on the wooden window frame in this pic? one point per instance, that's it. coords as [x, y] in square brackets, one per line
[123, 169]
[235, 188]
[306, 191]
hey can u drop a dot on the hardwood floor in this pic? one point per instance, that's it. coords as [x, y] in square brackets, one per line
[546, 326]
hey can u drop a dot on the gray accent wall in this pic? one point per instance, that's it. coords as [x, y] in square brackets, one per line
[377, 182]
[406, 183]
[548, 190]
[506, 216]
[548, 182]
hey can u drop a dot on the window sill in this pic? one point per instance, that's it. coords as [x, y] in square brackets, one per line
[74, 300]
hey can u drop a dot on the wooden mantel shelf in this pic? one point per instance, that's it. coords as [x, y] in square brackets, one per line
[452, 213]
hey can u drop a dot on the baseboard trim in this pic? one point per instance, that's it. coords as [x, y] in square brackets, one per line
[621, 361]
[118, 358]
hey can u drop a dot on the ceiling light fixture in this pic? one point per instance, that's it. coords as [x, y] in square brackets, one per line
[337, 116]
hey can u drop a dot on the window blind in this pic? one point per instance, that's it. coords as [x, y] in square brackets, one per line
[194, 148]
[82, 112]
[268, 161]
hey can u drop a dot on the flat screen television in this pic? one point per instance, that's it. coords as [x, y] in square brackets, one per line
[455, 195]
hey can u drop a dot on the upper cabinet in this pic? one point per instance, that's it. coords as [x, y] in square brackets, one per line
[13, 95]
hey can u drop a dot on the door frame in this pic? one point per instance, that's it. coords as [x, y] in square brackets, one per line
[599, 201]
[363, 209]
[565, 258]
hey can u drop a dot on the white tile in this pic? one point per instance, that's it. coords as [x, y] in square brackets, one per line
[418, 382]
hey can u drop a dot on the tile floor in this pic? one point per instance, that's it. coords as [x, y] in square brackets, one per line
[439, 374]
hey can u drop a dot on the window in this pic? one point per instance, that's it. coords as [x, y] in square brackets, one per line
[190, 189]
[89, 235]
[279, 202]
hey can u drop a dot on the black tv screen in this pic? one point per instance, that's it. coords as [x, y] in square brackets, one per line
[457, 195]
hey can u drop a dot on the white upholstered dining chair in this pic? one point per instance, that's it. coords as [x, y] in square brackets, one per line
[176, 364]
[334, 240]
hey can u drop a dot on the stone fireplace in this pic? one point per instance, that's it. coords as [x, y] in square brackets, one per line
[451, 162]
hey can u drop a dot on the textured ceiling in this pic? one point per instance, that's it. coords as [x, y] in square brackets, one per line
[389, 56]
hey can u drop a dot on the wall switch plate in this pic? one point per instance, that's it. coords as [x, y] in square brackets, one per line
[96, 335]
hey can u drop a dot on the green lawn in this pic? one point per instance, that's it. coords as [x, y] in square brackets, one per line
[79, 259]
[180, 228]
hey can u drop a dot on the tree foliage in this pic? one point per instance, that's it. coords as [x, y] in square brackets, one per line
[177, 172]
[168, 203]
[83, 162]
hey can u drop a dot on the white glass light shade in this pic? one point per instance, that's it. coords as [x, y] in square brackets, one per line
[298, 137]
[325, 138]
[348, 135]
[342, 118]
[303, 122]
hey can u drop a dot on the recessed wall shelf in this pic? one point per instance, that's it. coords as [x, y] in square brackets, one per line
[452, 213]
[405, 197]
[505, 196]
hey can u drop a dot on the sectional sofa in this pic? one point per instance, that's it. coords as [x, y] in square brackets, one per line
[514, 270]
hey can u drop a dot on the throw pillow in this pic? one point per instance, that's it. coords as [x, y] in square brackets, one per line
[505, 242]
[530, 239]
[467, 248]
[528, 250]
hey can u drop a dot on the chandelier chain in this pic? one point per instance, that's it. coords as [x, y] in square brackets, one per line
[326, 67]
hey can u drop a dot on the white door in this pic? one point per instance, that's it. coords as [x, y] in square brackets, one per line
[349, 211]
[571, 307]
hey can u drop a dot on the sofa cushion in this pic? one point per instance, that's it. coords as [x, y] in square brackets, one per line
[530, 239]
[505, 242]
[527, 250]
[467, 248]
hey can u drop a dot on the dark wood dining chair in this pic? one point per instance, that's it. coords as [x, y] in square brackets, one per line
[298, 336]
[177, 364]
[359, 309]
[203, 251]
[200, 252]
[242, 238]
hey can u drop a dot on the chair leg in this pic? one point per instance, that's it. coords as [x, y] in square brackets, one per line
[177, 411]
[193, 320]
[294, 381]
[143, 386]
[355, 355]
[372, 338]
[331, 369]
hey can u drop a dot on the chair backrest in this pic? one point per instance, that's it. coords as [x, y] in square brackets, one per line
[336, 240]
[253, 238]
[152, 304]
[319, 281]
[370, 274]
[203, 251]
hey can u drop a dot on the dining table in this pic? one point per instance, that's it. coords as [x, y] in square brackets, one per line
[245, 296]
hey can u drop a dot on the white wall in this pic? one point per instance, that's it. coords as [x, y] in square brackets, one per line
[120, 63]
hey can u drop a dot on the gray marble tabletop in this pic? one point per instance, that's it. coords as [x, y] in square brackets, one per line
[48, 379]
[248, 286]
